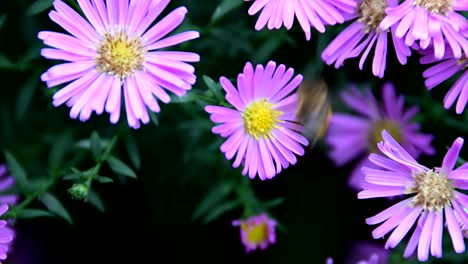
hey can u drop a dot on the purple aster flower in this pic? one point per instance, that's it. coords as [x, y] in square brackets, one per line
[7, 235]
[431, 22]
[317, 13]
[257, 232]
[442, 70]
[353, 136]
[434, 198]
[262, 128]
[6, 183]
[115, 52]
[361, 36]
[367, 253]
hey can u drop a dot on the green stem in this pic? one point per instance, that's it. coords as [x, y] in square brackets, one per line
[12, 213]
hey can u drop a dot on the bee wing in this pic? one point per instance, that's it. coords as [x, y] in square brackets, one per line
[314, 111]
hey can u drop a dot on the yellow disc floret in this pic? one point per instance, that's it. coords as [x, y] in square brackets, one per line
[434, 190]
[119, 55]
[256, 234]
[260, 118]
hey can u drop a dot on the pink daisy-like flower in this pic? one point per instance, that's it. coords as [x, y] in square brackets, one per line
[352, 136]
[7, 235]
[431, 22]
[442, 70]
[262, 128]
[115, 52]
[361, 36]
[257, 232]
[317, 13]
[434, 198]
[6, 183]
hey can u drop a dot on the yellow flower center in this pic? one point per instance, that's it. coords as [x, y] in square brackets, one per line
[393, 128]
[119, 55]
[260, 118]
[436, 6]
[434, 190]
[256, 234]
[372, 13]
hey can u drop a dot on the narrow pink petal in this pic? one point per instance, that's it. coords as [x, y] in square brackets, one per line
[391, 223]
[425, 238]
[174, 40]
[232, 92]
[436, 240]
[403, 228]
[387, 213]
[165, 26]
[266, 158]
[455, 231]
[451, 157]
[241, 152]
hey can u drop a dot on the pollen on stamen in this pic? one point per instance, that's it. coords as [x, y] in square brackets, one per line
[372, 12]
[260, 118]
[436, 6]
[434, 190]
[119, 54]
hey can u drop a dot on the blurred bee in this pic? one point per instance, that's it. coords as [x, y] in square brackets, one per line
[314, 111]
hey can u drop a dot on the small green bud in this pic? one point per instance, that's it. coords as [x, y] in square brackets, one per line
[79, 191]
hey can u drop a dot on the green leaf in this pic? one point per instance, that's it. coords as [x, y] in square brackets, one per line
[104, 179]
[38, 6]
[119, 167]
[95, 144]
[59, 149]
[33, 213]
[191, 96]
[6, 63]
[86, 143]
[219, 210]
[55, 206]
[95, 200]
[213, 87]
[154, 118]
[73, 176]
[17, 172]
[213, 197]
[268, 47]
[274, 202]
[225, 7]
[133, 151]
[2, 20]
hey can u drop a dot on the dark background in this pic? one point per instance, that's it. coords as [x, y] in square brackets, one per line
[150, 219]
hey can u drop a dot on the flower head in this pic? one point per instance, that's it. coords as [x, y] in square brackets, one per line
[317, 14]
[6, 183]
[434, 197]
[114, 51]
[257, 232]
[431, 22]
[443, 69]
[351, 136]
[7, 235]
[262, 128]
[367, 253]
[362, 34]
